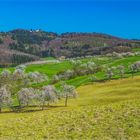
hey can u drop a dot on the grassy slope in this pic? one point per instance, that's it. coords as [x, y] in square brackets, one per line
[49, 69]
[107, 110]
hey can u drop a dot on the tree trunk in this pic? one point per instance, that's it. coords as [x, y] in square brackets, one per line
[132, 74]
[66, 100]
[43, 105]
[19, 103]
[0, 109]
[28, 102]
[27, 105]
[121, 76]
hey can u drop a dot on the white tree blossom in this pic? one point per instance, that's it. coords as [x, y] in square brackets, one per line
[55, 79]
[25, 95]
[37, 77]
[5, 97]
[121, 70]
[68, 91]
[49, 95]
[21, 67]
[5, 74]
[135, 67]
[109, 73]
[91, 66]
[68, 74]
[18, 74]
[17, 83]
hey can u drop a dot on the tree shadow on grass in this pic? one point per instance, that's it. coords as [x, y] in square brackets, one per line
[29, 109]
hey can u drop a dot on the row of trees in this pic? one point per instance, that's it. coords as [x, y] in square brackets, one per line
[120, 70]
[17, 59]
[110, 72]
[36, 97]
[124, 54]
[80, 69]
[16, 85]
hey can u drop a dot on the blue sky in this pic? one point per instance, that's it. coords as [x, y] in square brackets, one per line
[116, 17]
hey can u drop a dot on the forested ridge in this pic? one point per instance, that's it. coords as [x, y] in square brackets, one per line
[19, 46]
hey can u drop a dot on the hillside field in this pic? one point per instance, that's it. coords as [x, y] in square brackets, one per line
[101, 111]
[107, 109]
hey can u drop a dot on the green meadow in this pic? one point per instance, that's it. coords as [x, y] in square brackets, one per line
[52, 69]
